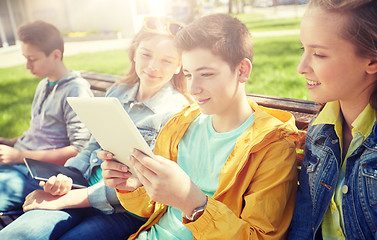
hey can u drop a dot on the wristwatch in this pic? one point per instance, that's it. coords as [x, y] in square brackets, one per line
[196, 213]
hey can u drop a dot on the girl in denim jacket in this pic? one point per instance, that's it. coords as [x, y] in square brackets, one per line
[337, 195]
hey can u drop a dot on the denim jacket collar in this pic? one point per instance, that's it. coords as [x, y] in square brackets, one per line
[155, 102]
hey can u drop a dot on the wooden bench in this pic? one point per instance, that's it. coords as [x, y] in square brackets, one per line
[302, 110]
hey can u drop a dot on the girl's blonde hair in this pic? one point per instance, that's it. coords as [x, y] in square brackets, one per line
[360, 28]
[178, 81]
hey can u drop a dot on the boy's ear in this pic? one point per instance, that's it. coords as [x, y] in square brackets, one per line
[57, 54]
[372, 66]
[244, 70]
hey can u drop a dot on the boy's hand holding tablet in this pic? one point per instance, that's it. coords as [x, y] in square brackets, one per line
[111, 126]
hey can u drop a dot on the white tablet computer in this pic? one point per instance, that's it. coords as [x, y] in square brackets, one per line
[111, 126]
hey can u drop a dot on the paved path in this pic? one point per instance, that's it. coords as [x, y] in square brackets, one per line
[12, 55]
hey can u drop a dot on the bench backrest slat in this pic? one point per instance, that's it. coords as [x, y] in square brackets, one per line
[302, 110]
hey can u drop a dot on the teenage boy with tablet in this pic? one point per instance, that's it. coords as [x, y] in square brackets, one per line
[225, 167]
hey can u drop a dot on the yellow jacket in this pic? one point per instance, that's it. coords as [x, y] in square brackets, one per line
[257, 185]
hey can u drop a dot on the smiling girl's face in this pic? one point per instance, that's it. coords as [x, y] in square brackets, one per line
[156, 61]
[332, 68]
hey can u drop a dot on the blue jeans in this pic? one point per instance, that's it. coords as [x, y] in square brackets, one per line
[15, 184]
[80, 223]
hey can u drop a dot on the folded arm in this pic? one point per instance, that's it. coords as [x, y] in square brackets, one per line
[11, 155]
[8, 142]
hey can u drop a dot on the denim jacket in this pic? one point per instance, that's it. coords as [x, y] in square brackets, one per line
[149, 117]
[318, 179]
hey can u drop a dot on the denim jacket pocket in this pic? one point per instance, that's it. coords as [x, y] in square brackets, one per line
[369, 172]
[312, 162]
[314, 151]
[311, 165]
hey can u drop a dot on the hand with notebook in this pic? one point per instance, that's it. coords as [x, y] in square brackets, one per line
[55, 178]
[57, 185]
[57, 181]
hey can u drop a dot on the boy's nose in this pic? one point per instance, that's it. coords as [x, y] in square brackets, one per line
[193, 87]
[28, 65]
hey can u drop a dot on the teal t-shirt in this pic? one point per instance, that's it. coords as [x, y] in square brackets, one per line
[202, 153]
[51, 84]
[96, 176]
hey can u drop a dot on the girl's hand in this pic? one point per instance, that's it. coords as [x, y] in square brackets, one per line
[39, 199]
[57, 185]
[116, 174]
[167, 183]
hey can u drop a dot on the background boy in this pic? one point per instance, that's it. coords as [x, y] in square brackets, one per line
[55, 133]
[233, 170]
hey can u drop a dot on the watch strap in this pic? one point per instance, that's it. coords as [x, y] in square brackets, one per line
[196, 213]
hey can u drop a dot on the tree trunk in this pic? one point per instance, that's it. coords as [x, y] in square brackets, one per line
[230, 6]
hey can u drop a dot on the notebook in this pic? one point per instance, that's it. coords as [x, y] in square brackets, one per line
[42, 171]
[111, 126]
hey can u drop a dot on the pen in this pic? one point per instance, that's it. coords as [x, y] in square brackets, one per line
[11, 213]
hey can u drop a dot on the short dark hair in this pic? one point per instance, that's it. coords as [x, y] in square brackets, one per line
[224, 35]
[45, 36]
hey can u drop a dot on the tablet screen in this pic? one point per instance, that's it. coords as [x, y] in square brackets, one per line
[42, 171]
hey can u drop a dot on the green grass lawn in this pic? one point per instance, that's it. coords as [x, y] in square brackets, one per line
[274, 68]
[274, 73]
[258, 23]
[17, 88]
